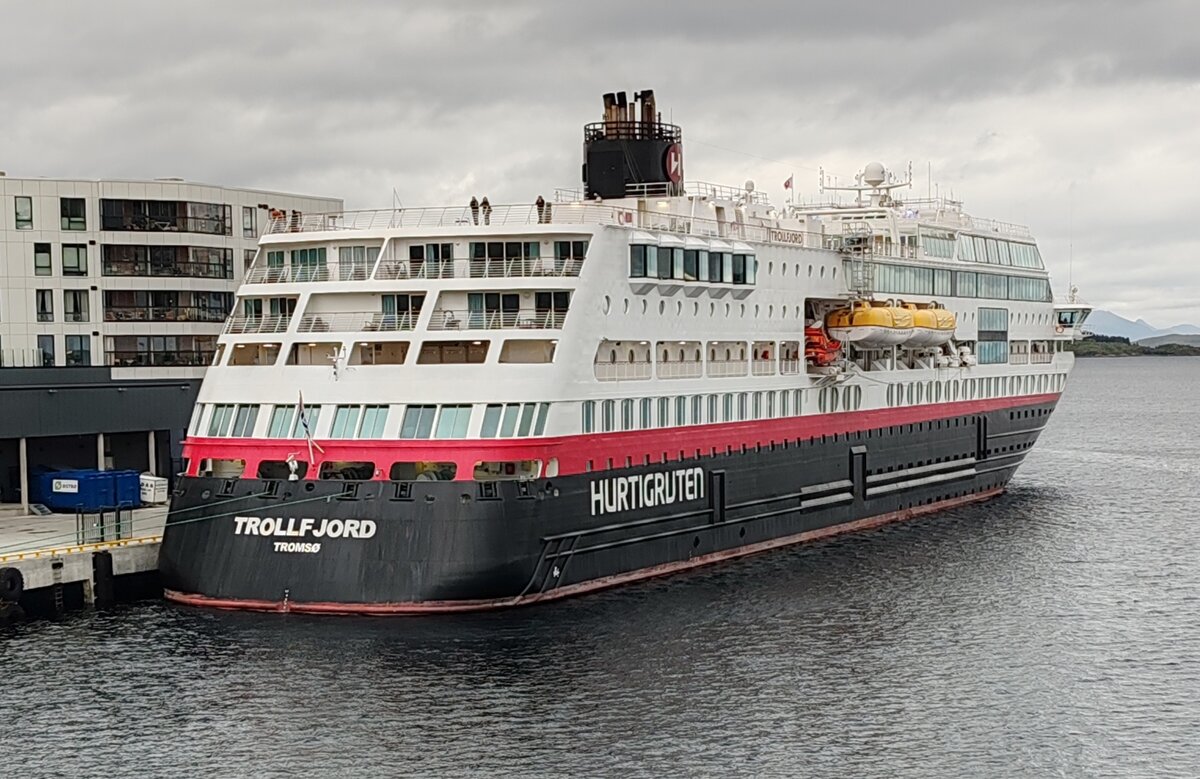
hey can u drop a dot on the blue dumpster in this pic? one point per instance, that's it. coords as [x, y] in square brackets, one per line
[86, 490]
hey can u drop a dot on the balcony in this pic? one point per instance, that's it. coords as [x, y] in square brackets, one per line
[163, 314]
[243, 325]
[1041, 358]
[763, 367]
[180, 269]
[497, 320]
[283, 274]
[153, 358]
[1018, 358]
[357, 322]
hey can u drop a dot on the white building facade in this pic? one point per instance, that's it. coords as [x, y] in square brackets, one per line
[127, 274]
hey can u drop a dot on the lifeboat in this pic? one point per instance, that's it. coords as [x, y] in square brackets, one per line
[820, 349]
[931, 327]
[870, 326]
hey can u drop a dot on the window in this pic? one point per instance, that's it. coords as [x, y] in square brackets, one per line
[645, 413]
[743, 405]
[418, 422]
[453, 421]
[664, 412]
[607, 415]
[993, 286]
[637, 261]
[568, 255]
[681, 410]
[45, 305]
[243, 421]
[24, 212]
[491, 420]
[249, 222]
[373, 420]
[306, 421]
[74, 259]
[697, 409]
[627, 414]
[46, 347]
[345, 422]
[965, 283]
[282, 418]
[75, 305]
[993, 336]
[589, 416]
[218, 424]
[355, 262]
[248, 256]
[712, 409]
[41, 260]
[73, 213]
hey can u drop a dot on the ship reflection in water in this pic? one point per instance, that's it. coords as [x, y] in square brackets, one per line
[1047, 632]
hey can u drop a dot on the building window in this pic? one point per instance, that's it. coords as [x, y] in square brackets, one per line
[248, 257]
[249, 222]
[46, 347]
[45, 305]
[75, 307]
[24, 212]
[41, 260]
[74, 259]
[418, 422]
[74, 213]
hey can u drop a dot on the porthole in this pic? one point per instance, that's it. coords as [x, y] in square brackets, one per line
[835, 271]
[678, 307]
[727, 310]
[770, 312]
[696, 308]
[810, 271]
[743, 310]
[662, 307]
[756, 310]
[712, 309]
[770, 268]
[626, 306]
[822, 271]
[783, 269]
[783, 311]
[607, 304]
[645, 305]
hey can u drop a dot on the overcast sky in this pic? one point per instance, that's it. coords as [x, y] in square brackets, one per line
[1080, 119]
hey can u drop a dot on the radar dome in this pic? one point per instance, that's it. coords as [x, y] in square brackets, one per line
[874, 174]
[749, 185]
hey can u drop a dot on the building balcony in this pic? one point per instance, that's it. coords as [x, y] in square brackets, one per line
[159, 359]
[194, 270]
[163, 314]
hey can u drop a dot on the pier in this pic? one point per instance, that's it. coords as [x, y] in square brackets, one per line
[65, 562]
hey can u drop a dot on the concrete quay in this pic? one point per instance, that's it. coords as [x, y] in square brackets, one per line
[54, 572]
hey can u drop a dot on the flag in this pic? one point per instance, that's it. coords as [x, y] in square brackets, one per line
[307, 430]
[788, 184]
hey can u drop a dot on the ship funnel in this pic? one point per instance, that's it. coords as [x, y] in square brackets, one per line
[631, 153]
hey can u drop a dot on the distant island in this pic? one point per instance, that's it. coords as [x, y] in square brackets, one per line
[1118, 346]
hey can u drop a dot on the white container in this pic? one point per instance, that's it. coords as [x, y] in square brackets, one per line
[154, 489]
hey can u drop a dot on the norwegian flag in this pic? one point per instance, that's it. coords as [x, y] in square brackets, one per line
[788, 184]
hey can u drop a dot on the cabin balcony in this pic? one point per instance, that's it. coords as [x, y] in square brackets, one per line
[623, 371]
[240, 324]
[357, 322]
[522, 319]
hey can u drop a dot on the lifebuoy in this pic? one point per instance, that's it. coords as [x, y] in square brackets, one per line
[1059, 329]
[12, 585]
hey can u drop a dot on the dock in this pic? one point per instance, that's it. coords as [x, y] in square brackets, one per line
[68, 562]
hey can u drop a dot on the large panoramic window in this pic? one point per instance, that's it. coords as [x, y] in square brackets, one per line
[243, 421]
[453, 421]
[418, 421]
[992, 346]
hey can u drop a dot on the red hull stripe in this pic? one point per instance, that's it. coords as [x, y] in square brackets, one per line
[581, 453]
[435, 607]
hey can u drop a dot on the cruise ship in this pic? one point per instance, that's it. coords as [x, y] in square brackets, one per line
[417, 410]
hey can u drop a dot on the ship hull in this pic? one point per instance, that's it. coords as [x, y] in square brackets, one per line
[382, 547]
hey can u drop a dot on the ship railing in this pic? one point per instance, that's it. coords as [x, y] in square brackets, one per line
[510, 267]
[727, 367]
[997, 226]
[241, 325]
[762, 368]
[683, 369]
[1041, 358]
[445, 319]
[356, 322]
[725, 192]
[1018, 358]
[622, 371]
[575, 213]
[335, 271]
[787, 367]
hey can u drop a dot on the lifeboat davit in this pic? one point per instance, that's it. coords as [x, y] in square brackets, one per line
[931, 327]
[871, 326]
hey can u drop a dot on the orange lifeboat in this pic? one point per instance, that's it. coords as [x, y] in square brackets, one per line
[820, 349]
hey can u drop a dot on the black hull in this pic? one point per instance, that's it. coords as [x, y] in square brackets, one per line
[443, 546]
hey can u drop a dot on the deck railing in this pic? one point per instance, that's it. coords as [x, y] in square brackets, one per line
[241, 324]
[356, 322]
[685, 369]
[1041, 358]
[728, 367]
[444, 319]
[623, 371]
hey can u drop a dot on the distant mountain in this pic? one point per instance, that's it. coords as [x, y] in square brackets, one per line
[1160, 340]
[1103, 322]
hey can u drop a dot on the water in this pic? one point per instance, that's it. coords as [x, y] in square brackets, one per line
[1052, 632]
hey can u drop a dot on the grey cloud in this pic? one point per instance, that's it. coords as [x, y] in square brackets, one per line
[1010, 102]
